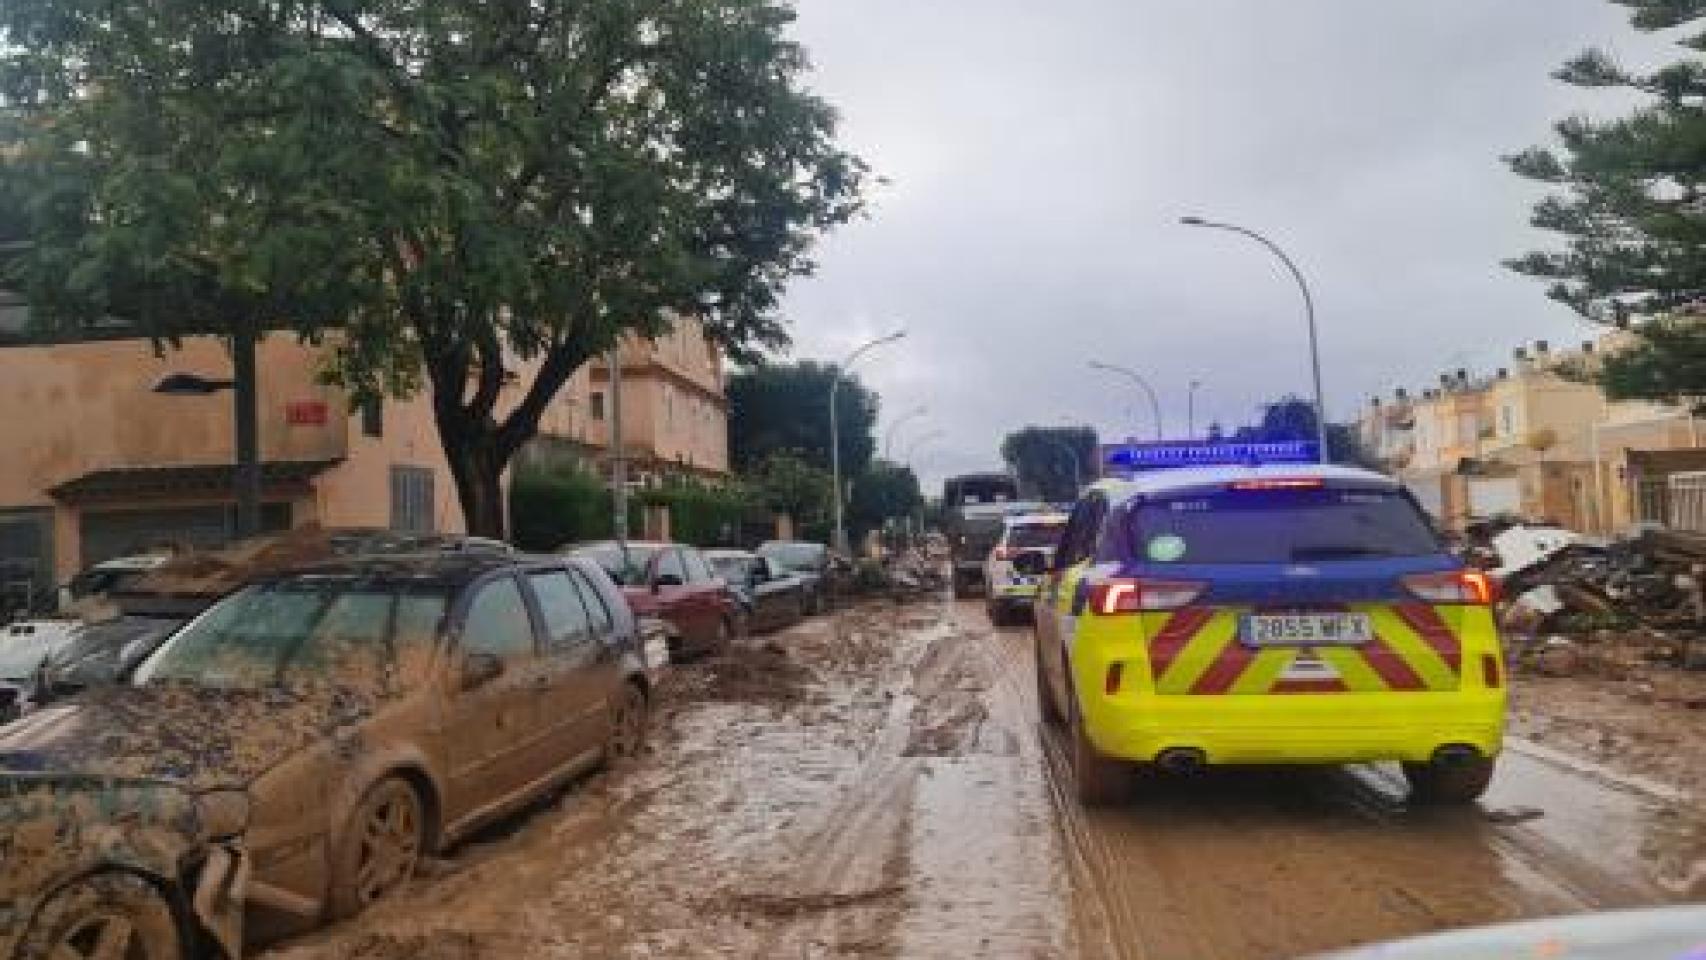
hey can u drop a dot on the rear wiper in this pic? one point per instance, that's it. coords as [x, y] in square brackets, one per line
[1336, 552]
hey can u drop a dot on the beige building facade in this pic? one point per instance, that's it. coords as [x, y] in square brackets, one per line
[97, 465]
[1529, 440]
[674, 409]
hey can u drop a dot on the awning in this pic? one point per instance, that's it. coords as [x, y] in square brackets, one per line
[278, 478]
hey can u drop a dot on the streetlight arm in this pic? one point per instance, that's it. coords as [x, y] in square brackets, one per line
[1309, 313]
[1137, 378]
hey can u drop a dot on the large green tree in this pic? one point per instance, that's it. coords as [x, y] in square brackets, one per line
[1051, 460]
[784, 408]
[477, 195]
[1631, 206]
[883, 492]
[1293, 418]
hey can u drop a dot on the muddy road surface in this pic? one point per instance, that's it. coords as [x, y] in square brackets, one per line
[875, 784]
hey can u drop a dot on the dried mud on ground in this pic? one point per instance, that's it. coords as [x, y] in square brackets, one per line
[876, 785]
[1652, 725]
[818, 793]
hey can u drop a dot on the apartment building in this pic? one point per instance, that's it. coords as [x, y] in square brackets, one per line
[1530, 439]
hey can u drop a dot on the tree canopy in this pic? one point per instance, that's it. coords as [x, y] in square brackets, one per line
[486, 192]
[784, 408]
[1293, 418]
[883, 492]
[1044, 459]
[1630, 206]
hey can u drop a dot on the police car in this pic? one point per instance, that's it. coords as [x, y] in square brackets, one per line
[1008, 593]
[1239, 604]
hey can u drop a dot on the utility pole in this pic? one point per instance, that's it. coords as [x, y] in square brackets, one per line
[618, 453]
[836, 494]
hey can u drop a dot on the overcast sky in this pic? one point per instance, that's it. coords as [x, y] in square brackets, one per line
[1041, 154]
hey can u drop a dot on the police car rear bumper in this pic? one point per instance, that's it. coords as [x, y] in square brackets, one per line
[1026, 592]
[1298, 728]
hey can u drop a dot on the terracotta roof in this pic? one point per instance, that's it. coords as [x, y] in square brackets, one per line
[188, 478]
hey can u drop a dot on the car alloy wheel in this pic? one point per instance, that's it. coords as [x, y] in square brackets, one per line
[390, 831]
[116, 916]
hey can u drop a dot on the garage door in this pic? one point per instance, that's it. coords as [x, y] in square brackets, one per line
[1495, 496]
[108, 534]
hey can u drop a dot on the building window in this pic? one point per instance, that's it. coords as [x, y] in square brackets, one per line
[412, 499]
[596, 405]
[1506, 426]
[373, 417]
[668, 404]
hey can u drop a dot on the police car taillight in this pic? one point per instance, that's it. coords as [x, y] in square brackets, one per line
[1128, 595]
[1462, 587]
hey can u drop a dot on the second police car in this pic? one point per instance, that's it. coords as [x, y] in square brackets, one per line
[1226, 611]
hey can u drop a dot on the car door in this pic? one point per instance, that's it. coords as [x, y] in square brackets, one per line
[570, 702]
[781, 593]
[600, 676]
[706, 590]
[676, 601]
[1058, 599]
[493, 715]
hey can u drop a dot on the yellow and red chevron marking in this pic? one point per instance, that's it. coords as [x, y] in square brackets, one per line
[1196, 651]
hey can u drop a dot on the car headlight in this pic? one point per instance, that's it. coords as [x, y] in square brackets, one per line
[224, 813]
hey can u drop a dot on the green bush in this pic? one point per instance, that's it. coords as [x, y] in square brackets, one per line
[702, 514]
[548, 509]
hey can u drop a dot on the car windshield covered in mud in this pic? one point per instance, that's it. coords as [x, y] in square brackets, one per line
[301, 629]
[290, 754]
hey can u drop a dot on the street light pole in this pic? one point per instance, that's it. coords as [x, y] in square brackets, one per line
[1191, 410]
[1137, 378]
[894, 428]
[245, 421]
[1308, 309]
[618, 456]
[835, 432]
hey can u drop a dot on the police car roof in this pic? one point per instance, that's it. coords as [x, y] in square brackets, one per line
[1155, 482]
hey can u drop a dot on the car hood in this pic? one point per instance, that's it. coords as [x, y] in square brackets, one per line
[197, 737]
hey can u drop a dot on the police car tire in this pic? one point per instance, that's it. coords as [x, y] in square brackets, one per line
[1098, 781]
[1046, 707]
[1433, 784]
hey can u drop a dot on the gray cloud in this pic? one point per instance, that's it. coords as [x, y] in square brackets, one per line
[1041, 154]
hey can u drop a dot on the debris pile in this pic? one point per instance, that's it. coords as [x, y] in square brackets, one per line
[1575, 605]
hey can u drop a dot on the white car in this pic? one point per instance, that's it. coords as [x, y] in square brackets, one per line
[24, 646]
[1010, 594]
[109, 576]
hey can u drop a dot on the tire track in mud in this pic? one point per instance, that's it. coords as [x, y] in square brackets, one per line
[1241, 865]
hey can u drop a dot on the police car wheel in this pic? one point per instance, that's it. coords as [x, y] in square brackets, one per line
[1458, 783]
[1098, 781]
[1047, 709]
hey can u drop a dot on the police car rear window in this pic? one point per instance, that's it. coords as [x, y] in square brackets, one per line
[1034, 536]
[1281, 526]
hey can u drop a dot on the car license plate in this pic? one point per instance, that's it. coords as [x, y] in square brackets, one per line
[1307, 629]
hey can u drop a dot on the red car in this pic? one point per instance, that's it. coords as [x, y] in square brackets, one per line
[675, 584]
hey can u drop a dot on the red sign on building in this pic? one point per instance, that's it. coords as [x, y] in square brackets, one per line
[305, 413]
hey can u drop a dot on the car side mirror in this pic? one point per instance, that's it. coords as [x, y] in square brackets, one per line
[479, 669]
[1031, 563]
[666, 580]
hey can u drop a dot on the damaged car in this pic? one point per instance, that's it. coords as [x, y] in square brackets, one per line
[291, 754]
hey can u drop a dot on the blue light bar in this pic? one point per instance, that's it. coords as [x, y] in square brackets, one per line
[1166, 456]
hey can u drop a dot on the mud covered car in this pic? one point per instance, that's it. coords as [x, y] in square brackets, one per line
[289, 755]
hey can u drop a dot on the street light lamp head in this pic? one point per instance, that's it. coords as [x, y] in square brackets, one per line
[1193, 221]
[190, 385]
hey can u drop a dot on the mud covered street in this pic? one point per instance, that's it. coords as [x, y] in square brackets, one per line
[875, 785]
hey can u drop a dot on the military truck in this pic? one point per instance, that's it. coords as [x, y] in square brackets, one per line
[973, 506]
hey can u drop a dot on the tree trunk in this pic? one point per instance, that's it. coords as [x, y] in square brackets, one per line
[478, 472]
